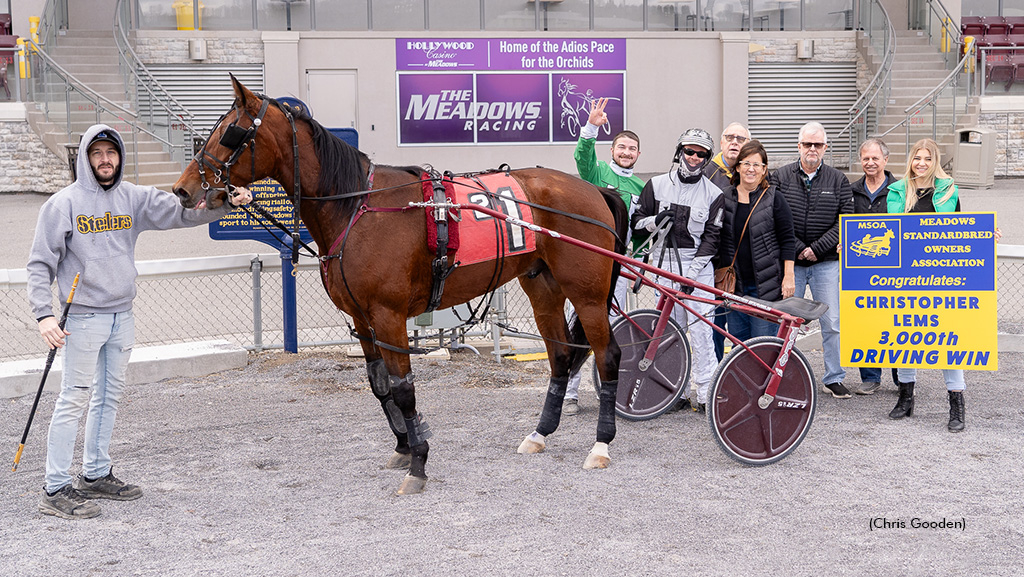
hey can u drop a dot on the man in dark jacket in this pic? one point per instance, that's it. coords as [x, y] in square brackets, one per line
[869, 194]
[817, 194]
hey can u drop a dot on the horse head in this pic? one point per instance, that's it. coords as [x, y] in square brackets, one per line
[237, 153]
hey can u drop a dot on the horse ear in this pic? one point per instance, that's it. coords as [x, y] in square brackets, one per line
[242, 94]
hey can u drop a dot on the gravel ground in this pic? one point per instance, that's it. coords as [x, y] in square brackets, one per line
[276, 469]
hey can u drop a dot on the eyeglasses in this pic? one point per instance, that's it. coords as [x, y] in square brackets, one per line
[748, 165]
[814, 145]
[734, 138]
[697, 153]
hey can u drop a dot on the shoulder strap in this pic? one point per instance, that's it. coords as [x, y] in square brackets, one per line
[736, 252]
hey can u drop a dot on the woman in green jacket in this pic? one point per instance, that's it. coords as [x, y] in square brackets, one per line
[925, 187]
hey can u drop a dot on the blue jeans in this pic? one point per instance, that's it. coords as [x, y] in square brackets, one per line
[823, 278]
[744, 326]
[870, 374]
[95, 365]
[954, 378]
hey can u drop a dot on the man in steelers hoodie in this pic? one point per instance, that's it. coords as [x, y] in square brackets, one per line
[686, 201]
[91, 228]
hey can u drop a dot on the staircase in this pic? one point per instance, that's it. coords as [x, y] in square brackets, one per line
[918, 68]
[91, 57]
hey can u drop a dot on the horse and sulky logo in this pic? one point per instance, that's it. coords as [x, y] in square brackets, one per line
[874, 244]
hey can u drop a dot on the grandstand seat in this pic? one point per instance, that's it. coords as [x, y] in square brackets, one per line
[1018, 41]
[1016, 24]
[1004, 72]
[996, 26]
[972, 26]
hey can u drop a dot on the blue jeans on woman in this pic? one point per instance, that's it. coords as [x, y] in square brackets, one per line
[95, 366]
[744, 326]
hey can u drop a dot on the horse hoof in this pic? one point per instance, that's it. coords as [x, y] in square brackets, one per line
[412, 485]
[530, 447]
[399, 461]
[598, 457]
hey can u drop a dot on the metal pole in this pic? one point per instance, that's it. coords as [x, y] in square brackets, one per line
[256, 266]
[291, 333]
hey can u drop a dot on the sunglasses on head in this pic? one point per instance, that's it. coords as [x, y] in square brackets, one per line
[698, 153]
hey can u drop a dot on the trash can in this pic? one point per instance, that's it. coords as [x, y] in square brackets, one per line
[184, 11]
[974, 158]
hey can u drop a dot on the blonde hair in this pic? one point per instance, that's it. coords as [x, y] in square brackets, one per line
[934, 173]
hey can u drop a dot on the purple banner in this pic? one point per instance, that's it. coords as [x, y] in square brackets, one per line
[435, 108]
[573, 94]
[523, 54]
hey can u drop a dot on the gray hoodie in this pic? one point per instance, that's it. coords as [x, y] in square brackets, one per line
[86, 229]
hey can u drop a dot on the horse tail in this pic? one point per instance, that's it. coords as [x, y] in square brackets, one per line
[621, 216]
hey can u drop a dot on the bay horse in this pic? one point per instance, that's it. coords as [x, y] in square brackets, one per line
[351, 205]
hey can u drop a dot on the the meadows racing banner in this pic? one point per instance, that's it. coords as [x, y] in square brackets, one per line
[514, 90]
[919, 291]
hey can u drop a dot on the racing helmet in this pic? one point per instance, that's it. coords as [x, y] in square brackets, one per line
[696, 136]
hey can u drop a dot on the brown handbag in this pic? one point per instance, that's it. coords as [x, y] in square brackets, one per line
[725, 277]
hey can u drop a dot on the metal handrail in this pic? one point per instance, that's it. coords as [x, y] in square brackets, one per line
[133, 64]
[102, 104]
[933, 95]
[880, 80]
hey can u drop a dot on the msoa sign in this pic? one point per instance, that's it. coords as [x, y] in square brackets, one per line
[919, 291]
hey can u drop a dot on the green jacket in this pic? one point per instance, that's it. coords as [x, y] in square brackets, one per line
[598, 173]
[897, 198]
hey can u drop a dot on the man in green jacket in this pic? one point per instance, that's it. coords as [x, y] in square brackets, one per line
[618, 176]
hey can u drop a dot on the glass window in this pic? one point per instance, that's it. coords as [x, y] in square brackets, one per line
[725, 14]
[618, 14]
[398, 14]
[776, 15]
[159, 15]
[454, 14]
[564, 14]
[829, 14]
[283, 15]
[213, 15]
[509, 15]
[984, 8]
[341, 15]
[672, 15]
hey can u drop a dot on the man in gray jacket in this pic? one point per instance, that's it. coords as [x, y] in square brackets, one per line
[91, 228]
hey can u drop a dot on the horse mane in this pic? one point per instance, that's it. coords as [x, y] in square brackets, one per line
[341, 164]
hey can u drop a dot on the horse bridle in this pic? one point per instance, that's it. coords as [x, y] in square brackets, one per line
[237, 140]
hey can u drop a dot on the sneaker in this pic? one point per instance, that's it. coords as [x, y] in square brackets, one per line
[68, 503]
[109, 487]
[571, 407]
[838, 390]
[868, 387]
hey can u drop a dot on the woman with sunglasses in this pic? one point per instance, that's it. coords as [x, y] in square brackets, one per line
[757, 235]
[690, 207]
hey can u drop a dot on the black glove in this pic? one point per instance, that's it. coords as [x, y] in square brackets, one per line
[687, 289]
[668, 213]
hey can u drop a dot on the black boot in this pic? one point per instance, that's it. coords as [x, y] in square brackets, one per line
[956, 411]
[905, 405]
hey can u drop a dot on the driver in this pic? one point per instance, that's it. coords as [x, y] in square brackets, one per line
[687, 202]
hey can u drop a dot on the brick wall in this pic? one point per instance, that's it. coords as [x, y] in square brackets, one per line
[1009, 141]
[26, 165]
[174, 50]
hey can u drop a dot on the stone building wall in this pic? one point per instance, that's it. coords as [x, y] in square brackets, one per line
[174, 50]
[26, 164]
[1009, 127]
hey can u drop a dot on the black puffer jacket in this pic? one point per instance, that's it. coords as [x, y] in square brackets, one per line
[770, 231]
[862, 204]
[815, 211]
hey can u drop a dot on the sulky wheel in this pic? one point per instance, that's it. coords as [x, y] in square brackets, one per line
[747, 433]
[646, 394]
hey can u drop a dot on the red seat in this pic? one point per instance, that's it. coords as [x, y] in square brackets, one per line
[1004, 72]
[1018, 41]
[996, 26]
[1015, 21]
